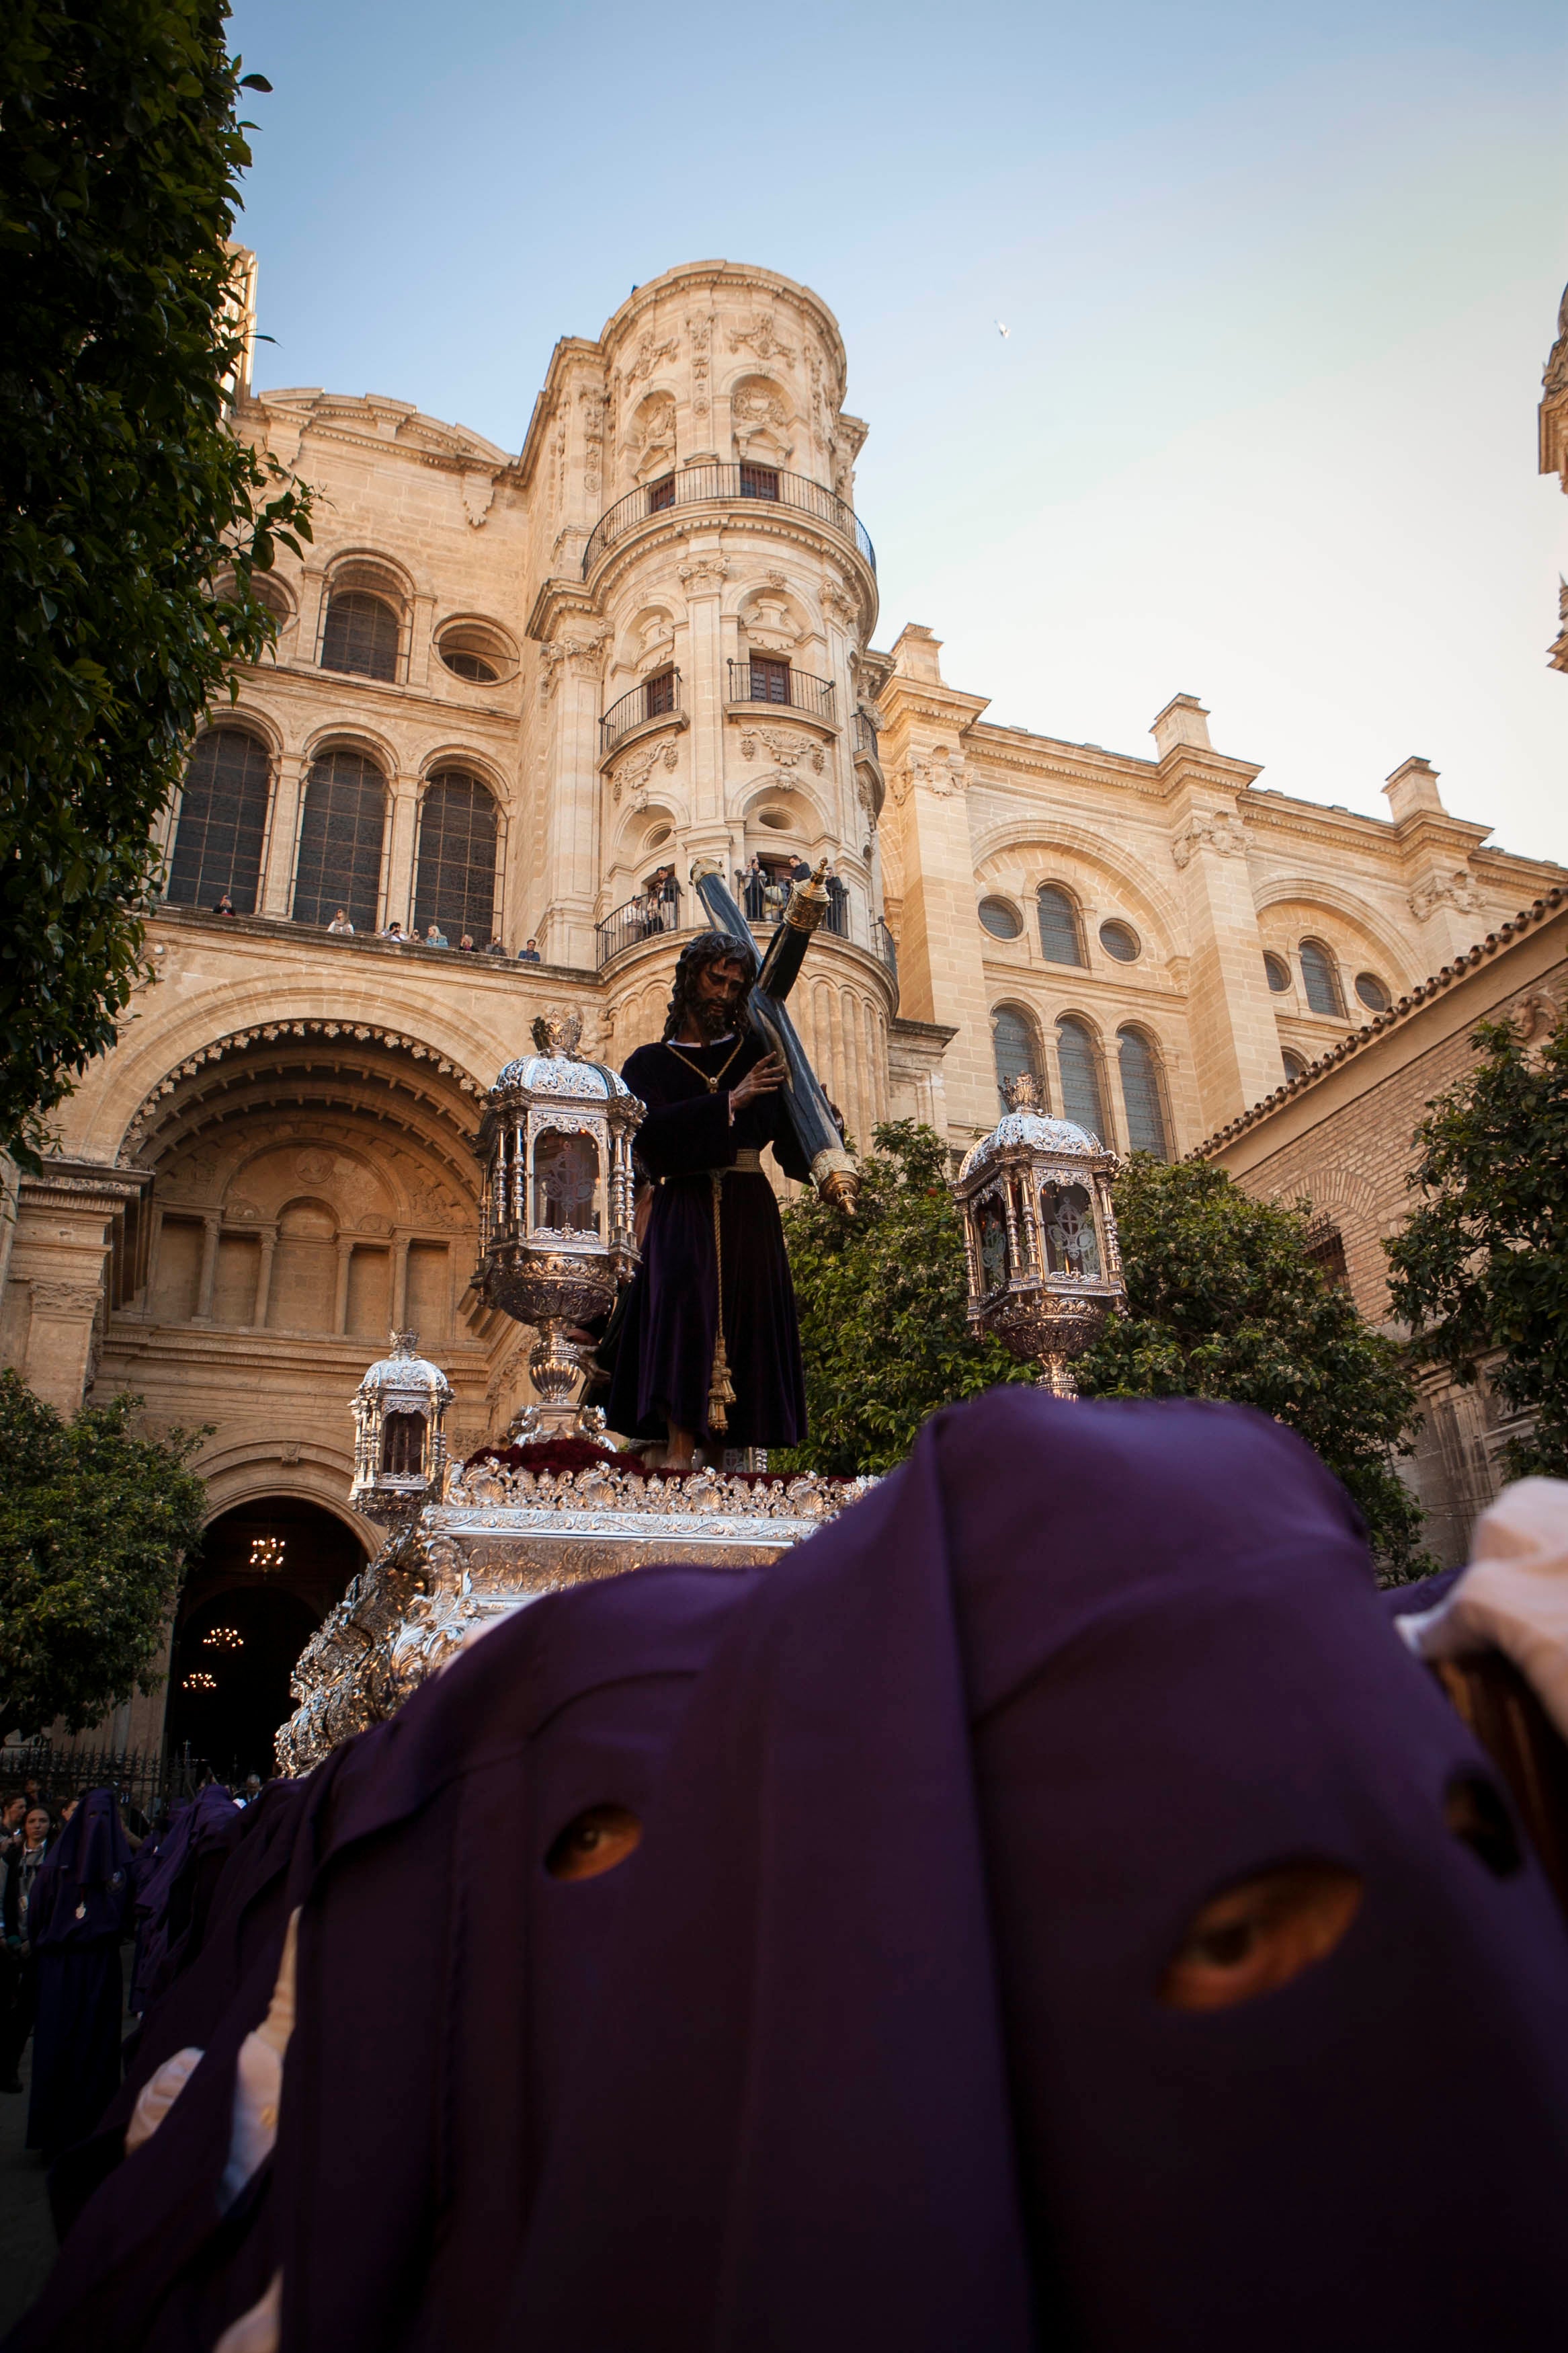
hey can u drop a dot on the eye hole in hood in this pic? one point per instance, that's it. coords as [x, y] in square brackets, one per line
[594, 1842]
[1260, 1934]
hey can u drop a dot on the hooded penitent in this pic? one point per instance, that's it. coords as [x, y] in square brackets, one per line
[1070, 1918]
[80, 1909]
[441, 1970]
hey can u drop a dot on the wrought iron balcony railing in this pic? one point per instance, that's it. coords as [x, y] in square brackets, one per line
[780, 682]
[653, 698]
[639, 919]
[865, 738]
[715, 483]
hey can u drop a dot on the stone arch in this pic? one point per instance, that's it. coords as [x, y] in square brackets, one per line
[1139, 894]
[762, 415]
[370, 568]
[352, 735]
[1365, 922]
[650, 435]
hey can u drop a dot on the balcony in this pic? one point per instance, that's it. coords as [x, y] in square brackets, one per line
[639, 919]
[657, 698]
[786, 687]
[716, 484]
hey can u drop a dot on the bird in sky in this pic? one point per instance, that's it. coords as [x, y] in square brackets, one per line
[1002, 330]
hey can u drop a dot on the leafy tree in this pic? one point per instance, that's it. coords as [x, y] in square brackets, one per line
[133, 522]
[1224, 1300]
[94, 1524]
[1481, 1267]
[881, 1301]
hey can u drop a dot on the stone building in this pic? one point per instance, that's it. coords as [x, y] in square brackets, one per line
[515, 697]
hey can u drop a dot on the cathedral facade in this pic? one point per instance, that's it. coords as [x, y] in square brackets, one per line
[514, 700]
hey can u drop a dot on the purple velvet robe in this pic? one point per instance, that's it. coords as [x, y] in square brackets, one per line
[665, 1359]
[878, 2056]
[80, 1909]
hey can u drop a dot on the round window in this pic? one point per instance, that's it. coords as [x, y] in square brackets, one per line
[473, 666]
[1372, 992]
[1121, 941]
[658, 837]
[777, 818]
[1001, 919]
[1279, 971]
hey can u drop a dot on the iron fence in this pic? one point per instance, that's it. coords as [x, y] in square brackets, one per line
[653, 698]
[639, 919]
[865, 738]
[780, 682]
[714, 483]
[145, 1778]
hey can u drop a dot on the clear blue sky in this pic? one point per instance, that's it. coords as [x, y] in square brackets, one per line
[1280, 283]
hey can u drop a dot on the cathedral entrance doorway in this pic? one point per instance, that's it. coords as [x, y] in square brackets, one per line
[269, 1570]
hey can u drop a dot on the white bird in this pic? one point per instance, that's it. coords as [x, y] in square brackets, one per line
[1002, 330]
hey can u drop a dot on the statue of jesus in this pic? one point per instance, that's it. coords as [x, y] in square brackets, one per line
[708, 1348]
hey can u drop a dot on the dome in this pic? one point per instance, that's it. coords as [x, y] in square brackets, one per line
[1037, 1133]
[554, 1074]
[406, 1372]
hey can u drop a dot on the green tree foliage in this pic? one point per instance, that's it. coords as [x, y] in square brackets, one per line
[132, 522]
[1225, 1301]
[1482, 1266]
[94, 1524]
[883, 1300]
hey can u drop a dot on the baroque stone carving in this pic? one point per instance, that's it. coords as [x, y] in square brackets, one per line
[755, 404]
[1455, 889]
[704, 574]
[790, 750]
[50, 1298]
[479, 495]
[632, 773]
[585, 656]
[647, 356]
[1535, 1016]
[759, 335]
[593, 405]
[943, 775]
[700, 331]
[1215, 830]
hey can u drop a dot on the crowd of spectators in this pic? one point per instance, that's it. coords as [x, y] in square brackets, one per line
[343, 927]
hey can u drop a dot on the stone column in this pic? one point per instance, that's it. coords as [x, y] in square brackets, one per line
[264, 1278]
[211, 1224]
[400, 850]
[341, 1303]
[59, 1341]
[277, 878]
[573, 663]
[702, 577]
[400, 1283]
[1231, 1023]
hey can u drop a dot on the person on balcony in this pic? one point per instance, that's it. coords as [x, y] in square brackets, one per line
[837, 904]
[707, 1352]
[225, 906]
[753, 885]
[529, 952]
[434, 937]
[341, 924]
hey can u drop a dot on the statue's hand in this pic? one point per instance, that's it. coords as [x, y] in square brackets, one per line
[762, 1079]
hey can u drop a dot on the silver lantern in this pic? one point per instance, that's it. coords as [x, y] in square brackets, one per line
[1045, 1269]
[555, 1237]
[400, 1446]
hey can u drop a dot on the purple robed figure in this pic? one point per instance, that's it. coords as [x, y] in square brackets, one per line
[81, 1909]
[713, 1106]
[1070, 1918]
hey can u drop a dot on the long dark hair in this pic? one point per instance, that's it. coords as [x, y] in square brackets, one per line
[708, 948]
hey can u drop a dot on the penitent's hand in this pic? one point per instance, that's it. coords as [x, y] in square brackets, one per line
[759, 1080]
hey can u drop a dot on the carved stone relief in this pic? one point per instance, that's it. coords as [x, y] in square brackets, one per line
[632, 773]
[1215, 830]
[1455, 889]
[700, 331]
[759, 334]
[649, 354]
[789, 749]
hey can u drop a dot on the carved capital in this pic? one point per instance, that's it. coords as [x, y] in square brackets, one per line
[64, 1299]
[1215, 830]
[585, 656]
[704, 575]
[1454, 888]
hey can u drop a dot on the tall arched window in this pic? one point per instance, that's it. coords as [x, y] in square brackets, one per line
[1059, 939]
[1016, 1047]
[1321, 980]
[360, 635]
[340, 836]
[223, 822]
[1140, 1094]
[455, 887]
[1078, 1059]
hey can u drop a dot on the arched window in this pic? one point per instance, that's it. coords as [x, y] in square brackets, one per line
[1295, 1068]
[455, 887]
[1140, 1094]
[360, 635]
[340, 836]
[223, 822]
[1278, 971]
[1059, 941]
[1321, 980]
[1016, 1048]
[1079, 1058]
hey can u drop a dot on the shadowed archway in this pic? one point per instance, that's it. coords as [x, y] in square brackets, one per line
[270, 1571]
